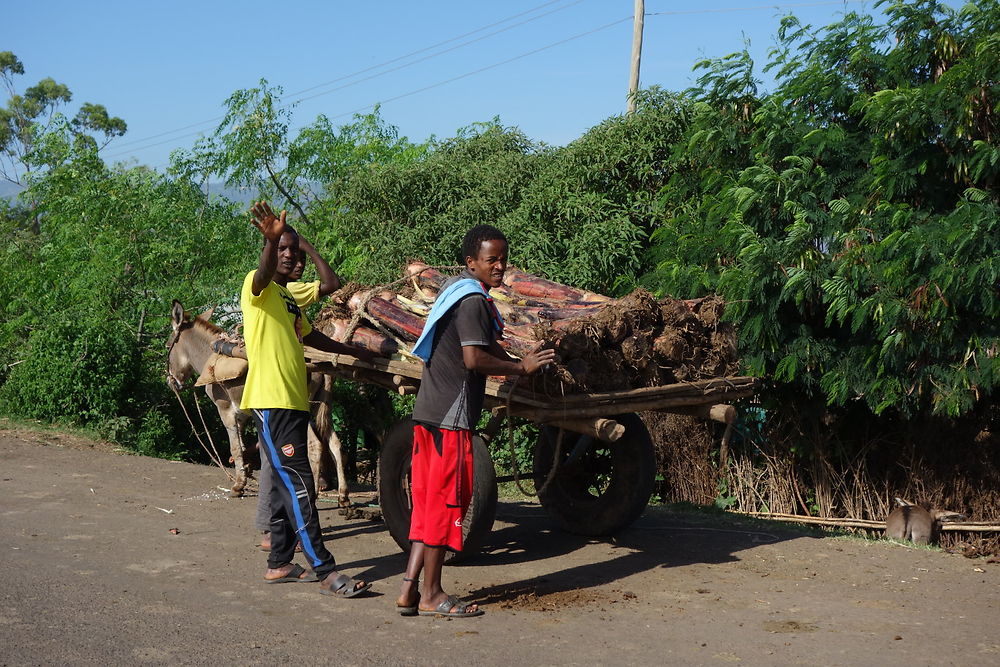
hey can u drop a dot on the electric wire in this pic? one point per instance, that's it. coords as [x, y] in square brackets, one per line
[725, 10]
[433, 55]
[451, 79]
[466, 74]
[367, 69]
[447, 41]
[483, 69]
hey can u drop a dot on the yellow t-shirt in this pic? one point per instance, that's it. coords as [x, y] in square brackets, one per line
[273, 327]
[304, 293]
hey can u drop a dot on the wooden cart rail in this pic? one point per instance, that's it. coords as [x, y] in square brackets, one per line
[583, 413]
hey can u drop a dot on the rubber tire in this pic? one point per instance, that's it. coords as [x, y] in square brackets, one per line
[394, 497]
[569, 498]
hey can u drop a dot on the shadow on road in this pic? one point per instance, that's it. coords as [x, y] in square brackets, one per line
[661, 538]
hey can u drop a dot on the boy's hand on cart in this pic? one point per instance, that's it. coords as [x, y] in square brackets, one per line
[364, 355]
[537, 359]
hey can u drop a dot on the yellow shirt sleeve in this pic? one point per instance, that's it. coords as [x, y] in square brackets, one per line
[304, 293]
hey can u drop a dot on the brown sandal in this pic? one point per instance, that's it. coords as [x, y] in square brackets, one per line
[294, 576]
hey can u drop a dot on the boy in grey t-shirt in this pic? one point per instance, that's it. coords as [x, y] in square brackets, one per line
[463, 350]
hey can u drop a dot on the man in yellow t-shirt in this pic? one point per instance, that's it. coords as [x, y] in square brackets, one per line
[275, 329]
[305, 294]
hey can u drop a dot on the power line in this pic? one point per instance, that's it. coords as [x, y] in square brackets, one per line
[569, 39]
[163, 134]
[483, 69]
[362, 71]
[725, 10]
[433, 55]
[460, 76]
[479, 70]
[447, 41]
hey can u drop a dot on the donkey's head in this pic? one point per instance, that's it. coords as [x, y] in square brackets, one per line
[179, 366]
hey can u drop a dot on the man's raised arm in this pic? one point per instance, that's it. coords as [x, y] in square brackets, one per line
[272, 227]
[329, 281]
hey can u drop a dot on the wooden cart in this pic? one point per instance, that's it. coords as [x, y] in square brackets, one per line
[594, 462]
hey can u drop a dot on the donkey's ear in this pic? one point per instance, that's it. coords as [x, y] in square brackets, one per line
[207, 315]
[177, 315]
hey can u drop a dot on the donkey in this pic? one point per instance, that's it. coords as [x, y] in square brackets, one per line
[189, 349]
[914, 523]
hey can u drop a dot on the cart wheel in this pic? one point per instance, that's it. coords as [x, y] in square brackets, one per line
[394, 491]
[600, 487]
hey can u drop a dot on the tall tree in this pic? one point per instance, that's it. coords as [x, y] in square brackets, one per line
[851, 217]
[30, 115]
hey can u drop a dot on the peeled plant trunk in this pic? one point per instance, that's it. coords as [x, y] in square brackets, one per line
[364, 337]
[395, 317]
[526, 284]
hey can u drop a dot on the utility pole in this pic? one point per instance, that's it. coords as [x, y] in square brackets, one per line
[633, 84]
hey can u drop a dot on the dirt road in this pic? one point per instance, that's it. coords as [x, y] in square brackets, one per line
[93, 574]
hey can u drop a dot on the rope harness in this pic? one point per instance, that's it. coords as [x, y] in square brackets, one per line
[174, 382]
[513, 457]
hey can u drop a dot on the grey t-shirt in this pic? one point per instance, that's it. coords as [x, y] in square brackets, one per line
[451, 395]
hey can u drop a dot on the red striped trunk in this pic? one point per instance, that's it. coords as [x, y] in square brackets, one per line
[364, 337]
[516, 345]
[372, 340]
[425, 276]
[529, 285]
[401, 321]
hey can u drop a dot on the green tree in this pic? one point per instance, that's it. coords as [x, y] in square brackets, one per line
[31, 115]
[420, 202]
[850, 216]
[586, 217]
[87, 293]
[249, 148]
[580, 214]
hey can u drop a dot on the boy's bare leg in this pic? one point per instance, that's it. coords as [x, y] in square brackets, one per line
[408, 592]
[431, 593]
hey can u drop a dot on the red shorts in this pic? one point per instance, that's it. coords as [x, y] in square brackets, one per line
[440, 484]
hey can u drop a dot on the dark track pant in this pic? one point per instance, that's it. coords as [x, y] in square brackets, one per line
[293, 496]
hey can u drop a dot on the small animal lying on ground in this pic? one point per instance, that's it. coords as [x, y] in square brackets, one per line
[914, 523]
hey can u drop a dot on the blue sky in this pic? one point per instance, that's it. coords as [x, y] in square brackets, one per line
[165, 66]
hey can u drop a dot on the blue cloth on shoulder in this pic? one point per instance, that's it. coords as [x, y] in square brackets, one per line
[445, 301]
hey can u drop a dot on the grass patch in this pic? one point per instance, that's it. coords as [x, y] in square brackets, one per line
[41, 427]
[509, 491]
[60, 434]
